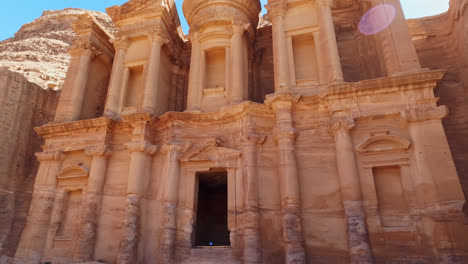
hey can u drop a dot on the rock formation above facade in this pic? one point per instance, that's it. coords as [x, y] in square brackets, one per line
[302, 140]
[39, 49]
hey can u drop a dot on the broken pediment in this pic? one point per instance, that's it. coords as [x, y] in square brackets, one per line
[381, 142]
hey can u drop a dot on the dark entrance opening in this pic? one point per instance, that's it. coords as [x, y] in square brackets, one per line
[212, 213]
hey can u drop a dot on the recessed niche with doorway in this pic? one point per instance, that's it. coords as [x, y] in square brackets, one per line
[305, 60]
[211, 227]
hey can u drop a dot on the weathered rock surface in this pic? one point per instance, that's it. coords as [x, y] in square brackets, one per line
[39, 49]
[23, 105]
[442, 42]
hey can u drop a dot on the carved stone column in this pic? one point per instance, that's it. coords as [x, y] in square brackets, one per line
[115, 85]
[328, 45]
[289, 179]
[277, 12]
[195, 77]
[152, 77]
[31, 245]
[84, 248]
[358, 237]
[237, 92]
[75, 84]
[252, 247]
[170, 190]
[140, 166]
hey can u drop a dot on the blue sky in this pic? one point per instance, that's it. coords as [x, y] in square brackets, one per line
[15, 13]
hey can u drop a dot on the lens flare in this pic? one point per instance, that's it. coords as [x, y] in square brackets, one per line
[377, 19]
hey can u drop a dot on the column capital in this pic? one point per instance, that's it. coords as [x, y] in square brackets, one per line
[276, 8]
[142, 146]
[100, 150]
[342, 124]
[175, 145]
[253, 138]
[156, 37]
[83, 48]
[50, 156]
[328, 3]
[285, 133]
[421, 115]
[239, 28]
[121, 43]
[194, 34]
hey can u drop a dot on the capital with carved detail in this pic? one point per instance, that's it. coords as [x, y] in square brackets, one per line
[50, 156]
[341, 125]
[121, 43]
[142, 146]
[101, 150]
[175, 145]
[276, 8]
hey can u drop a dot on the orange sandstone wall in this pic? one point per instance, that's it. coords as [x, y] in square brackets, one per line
[442, 42]
[23, 105]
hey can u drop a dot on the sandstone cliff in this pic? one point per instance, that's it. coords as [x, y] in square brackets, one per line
[39, 49]
[442, 42]
[23, 105]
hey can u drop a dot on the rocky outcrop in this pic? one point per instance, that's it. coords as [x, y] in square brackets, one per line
[39, 49]
[23, 105]
[442, 42]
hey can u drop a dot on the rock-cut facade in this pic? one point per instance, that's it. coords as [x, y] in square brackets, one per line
[240, 143]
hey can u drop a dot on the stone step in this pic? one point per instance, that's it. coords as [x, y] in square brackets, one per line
[211, 255]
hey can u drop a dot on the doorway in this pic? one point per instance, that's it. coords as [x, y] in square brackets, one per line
[211, 229]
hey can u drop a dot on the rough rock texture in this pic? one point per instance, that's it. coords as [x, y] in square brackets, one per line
[39, 49]
[442, 42]
[23, 105]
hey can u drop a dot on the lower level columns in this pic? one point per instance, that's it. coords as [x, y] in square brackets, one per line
[282, 104]
[173, 149]
[252, 247]
[31, 246]
[358, 237]
[86, 242]
[140, 168]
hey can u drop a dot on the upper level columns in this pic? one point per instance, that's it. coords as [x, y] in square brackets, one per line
[330, 70]
[152, 78]
[195, 86]
[116, 82]
[277, 12]
[237, 93]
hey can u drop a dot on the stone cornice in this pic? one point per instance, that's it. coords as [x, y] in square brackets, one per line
[49, 130]
[411, 81]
